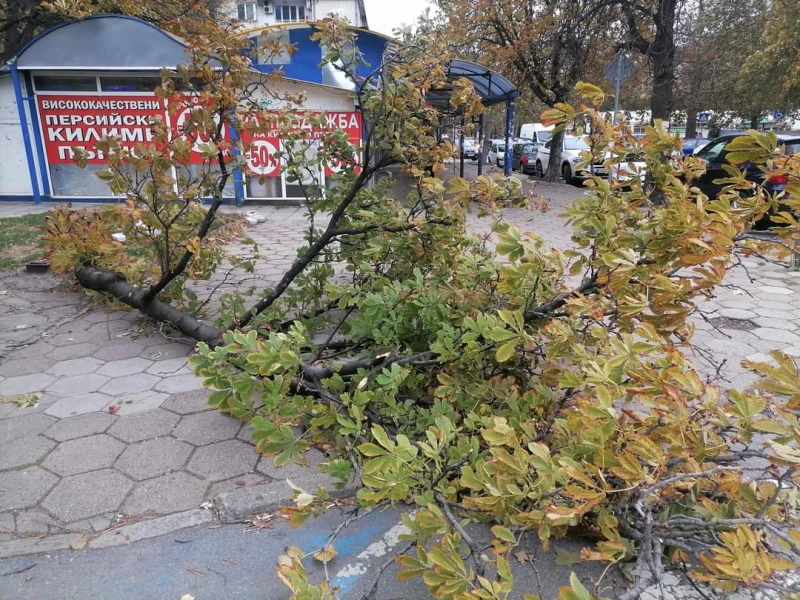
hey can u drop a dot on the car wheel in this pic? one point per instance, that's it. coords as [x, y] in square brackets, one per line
[566, 172]
[497, 162]
[539, 170]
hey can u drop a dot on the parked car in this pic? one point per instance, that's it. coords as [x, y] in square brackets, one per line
[714, 154]
[693, 145]
[629, 168]
[537, 133]
[571, 151]
[497, 153]
[523, 158]
[470, 149]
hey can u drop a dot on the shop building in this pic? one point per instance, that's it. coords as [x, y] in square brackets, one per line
[84, 80]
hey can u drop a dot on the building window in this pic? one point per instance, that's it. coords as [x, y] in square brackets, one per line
[64, 83]
[289, 12]
[129, 84]
[246, 11]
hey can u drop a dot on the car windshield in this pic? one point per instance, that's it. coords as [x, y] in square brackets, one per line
[573, 143]
[528, 148]
[792, 147]
[543, 136]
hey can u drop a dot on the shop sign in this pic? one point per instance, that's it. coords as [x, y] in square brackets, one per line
[70, 121]
[261, 146]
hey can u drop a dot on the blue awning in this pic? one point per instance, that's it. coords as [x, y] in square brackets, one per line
[103, 42]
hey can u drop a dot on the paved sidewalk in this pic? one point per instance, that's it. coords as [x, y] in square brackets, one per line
[122, 432]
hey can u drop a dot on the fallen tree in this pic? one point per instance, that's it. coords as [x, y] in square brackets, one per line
[484, 380]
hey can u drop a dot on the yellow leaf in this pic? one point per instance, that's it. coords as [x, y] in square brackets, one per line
[193, 245]
[326, 554]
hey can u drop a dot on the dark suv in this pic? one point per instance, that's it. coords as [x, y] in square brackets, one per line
[715, 155]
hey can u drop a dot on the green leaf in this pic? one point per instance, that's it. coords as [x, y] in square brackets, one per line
[506, 351]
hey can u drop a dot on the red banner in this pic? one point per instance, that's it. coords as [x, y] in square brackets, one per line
[261, 146]
[82, 120]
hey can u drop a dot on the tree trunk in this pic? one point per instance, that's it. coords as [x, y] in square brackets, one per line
[554, 167]
[691, 123]
[755, 121]
[662, 53]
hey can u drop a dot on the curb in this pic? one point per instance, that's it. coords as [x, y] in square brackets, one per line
[228, 507]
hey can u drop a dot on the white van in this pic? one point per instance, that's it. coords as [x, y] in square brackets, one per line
[497, 153]
[536, 132]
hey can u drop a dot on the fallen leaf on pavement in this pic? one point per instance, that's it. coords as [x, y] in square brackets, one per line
[23, 400]
[112, 410]
[523, 557]
[207, 505]
[187, 597]
[80, 543]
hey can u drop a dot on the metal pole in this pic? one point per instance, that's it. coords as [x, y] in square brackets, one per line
[481, 144]
[461, 149]
[509, 135]
[617, 77]
[23, 123]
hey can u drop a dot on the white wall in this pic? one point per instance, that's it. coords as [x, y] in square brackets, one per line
[14, 177]
[317, 97]
[319, 10]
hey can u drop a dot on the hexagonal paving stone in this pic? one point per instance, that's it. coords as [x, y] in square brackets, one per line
[37, 522]
[169, 367]
[119, 351]
[83, 454]
[79, 384]
[144, 426]
[71, 338]
[75, 366]
[87, 495]
[24, 452]
[13, 429]
[130, 384]
[128, 366]
[153, 457]
[774, 335]
[79, 405]
[779, 290]
[166, 494]
[130, 404]
[204, 428]
[76, 351]
[223, 460]
[170, 350]
[187, 403]
[21, 366]
[237, 483]
[25, 488]
[82, 426]
[25, 384]
[179, 383]
[102, 316]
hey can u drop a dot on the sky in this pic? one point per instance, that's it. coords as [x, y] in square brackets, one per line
[385, 15]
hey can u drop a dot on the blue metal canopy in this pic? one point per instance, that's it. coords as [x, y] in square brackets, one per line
[492, 87]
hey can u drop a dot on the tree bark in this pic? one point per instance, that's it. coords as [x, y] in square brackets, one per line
[554, 166]
[755, 121]
[115, 285]
[691, 123]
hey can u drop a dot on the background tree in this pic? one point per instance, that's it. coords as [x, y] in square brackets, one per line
[542, 46]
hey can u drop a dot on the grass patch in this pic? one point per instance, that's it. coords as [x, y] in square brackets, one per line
[21, 240]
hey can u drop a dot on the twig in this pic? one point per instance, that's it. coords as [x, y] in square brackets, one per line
[473, 547]
[371, 591]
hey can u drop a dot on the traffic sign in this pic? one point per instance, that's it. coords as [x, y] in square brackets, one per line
[620, 69]
[778, 115]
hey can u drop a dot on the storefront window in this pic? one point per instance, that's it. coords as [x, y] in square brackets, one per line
[305, 173]
[64, 83]
[129, 84]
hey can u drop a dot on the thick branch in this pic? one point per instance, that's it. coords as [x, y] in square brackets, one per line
[115, 285]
